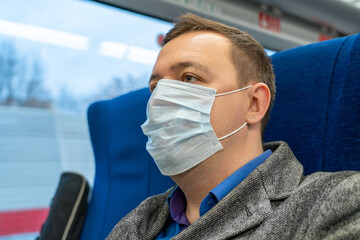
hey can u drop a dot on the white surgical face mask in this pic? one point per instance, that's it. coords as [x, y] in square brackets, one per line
[178, 127]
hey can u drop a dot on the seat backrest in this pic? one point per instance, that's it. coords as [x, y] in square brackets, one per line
[317, 107]
[125, 173]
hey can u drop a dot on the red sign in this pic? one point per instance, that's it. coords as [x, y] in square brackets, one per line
[22, 221]
[160, 38]
[323, 37]
[269, 22]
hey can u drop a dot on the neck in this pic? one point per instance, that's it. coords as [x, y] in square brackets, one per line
[197, 182]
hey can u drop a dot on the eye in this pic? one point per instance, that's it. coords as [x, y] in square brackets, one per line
[190, 79]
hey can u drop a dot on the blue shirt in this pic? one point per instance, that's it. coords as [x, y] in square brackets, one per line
[177, 200]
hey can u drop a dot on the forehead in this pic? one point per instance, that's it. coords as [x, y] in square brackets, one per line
[208, 48]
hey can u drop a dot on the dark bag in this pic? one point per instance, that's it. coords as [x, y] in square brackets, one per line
[67, 210]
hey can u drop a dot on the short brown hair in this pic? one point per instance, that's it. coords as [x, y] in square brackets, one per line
[247, 54]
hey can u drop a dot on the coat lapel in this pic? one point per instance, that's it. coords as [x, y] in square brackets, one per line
[281, 173]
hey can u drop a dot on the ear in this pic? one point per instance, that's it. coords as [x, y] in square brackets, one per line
[260, 96]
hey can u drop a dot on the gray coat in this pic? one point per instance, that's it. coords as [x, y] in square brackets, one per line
[274, 202]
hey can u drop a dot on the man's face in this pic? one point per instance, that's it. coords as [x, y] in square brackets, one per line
[204, 58]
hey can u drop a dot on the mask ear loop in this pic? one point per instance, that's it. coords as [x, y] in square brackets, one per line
[237, 90]
[221, 94]
[228, 135]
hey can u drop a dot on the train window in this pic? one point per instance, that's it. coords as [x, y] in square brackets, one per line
[269, 52]
[56, 57]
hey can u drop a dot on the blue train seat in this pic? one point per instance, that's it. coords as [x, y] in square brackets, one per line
[125, 173]
[317, 107]
[317, 111]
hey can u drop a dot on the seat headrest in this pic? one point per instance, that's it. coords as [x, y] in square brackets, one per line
[317, 108]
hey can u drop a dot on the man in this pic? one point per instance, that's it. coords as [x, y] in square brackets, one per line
[213, 88]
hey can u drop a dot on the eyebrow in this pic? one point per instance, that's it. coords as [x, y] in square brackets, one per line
[182, 65]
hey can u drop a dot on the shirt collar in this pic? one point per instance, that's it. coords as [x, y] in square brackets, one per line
[221, 190]
[177, 205]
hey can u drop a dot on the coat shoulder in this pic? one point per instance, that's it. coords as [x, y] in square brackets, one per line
[135, 225]
[323, 206]
[332, 205]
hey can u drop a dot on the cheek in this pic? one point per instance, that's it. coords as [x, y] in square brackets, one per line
[226, 115]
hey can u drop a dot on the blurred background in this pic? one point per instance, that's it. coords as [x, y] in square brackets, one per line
[57, 57]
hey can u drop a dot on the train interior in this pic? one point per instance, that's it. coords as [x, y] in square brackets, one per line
[74, 87]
